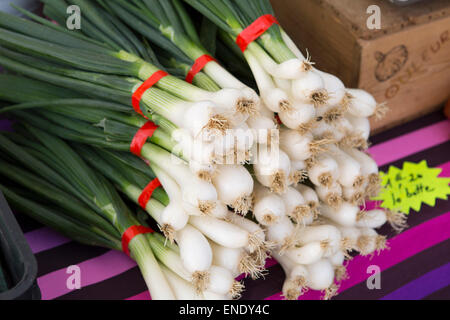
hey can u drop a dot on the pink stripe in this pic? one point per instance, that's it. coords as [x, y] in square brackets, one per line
[411, 143]
[445, 170]
[95, 270]
[142, 296]
[271, 262]
[402, 247]
[45, 239]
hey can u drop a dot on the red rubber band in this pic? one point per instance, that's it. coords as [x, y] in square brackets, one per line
[255, 30]
[198, 66]
[144, 133]
[147, 193]
[278, 119]
[150, 82]
[129, 235]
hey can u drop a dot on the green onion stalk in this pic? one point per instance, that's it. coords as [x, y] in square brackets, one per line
[78, 219]
[160, 20]
[163, 21]
[116, 137]
[130, 177]
[73, 199]
[201, 274]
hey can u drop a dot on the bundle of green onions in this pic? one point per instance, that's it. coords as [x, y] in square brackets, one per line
[59, 189]
[239, 246]
[304, 198]
[113, 70]
[287, 81]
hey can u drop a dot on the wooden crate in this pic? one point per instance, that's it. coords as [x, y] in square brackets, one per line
[406, 63]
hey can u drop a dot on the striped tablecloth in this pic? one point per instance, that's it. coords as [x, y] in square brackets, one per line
[416, 266]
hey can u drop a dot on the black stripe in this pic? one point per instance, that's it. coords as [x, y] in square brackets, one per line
[401, 274]
[123, 286]
[66, 255]
[443, 294]
[26, 223]
[409, 127]
[265, 287]
[417, 218]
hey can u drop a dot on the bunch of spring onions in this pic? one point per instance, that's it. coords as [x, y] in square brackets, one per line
[323, 137]
[287, 81]
[114, 68]
[213, 242]
[71, 203]
[302, 197]
[168, 104]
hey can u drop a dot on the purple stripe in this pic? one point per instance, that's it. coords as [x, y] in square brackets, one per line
[45, 239]
[141, 296]
[95, 270]
[425, 285]
[445, 170]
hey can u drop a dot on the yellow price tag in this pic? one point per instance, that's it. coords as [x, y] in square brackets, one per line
[407, 188]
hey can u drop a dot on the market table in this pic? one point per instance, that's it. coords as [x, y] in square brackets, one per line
[416, 266]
